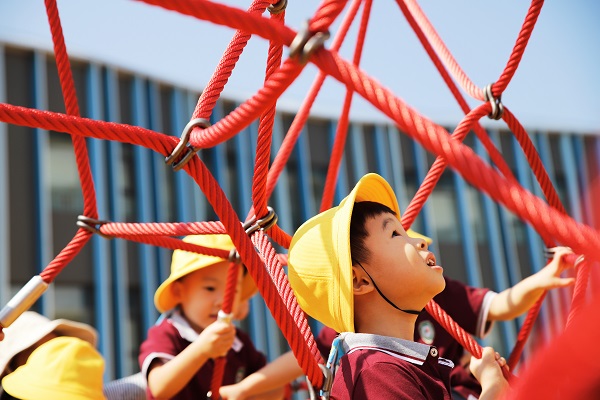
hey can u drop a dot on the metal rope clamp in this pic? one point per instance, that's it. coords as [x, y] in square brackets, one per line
[278, 8]
[327, 384]
[92, 225]
[496, 103]
[306, 43]
[185, 145]
[262, 224]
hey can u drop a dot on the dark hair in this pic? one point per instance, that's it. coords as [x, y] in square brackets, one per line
[362, 211]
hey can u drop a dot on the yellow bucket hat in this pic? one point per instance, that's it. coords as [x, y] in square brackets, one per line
[31, 327]
[319, 261]
[186, 262]
[64, 368]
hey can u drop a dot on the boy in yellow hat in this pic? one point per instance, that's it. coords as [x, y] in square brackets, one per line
[178, 356]
[355, 269]
[63, 368]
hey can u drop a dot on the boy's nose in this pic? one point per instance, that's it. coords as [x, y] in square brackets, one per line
[420, 243]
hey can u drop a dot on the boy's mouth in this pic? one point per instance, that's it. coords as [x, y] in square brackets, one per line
[430, 260]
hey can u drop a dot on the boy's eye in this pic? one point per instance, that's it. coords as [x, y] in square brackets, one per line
[395, 233]
[210, 288]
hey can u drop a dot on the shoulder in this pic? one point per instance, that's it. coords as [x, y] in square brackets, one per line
[163, 330]
[374, 374]
[163, 337]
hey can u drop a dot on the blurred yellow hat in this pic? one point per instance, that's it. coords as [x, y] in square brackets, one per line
[319, 261]
[31, 327]
[186, 262]
[64, 368]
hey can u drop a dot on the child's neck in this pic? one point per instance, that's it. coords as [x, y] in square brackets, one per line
[394, 324]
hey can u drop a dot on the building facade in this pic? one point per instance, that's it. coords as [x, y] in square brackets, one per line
[111, 283]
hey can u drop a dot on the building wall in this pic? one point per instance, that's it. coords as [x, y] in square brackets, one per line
[111, 283]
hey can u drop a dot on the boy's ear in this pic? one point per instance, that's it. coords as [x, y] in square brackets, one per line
[361, 283]
[176, 290]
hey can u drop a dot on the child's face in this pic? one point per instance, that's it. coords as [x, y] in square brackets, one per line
[399, 263]
[201, 294]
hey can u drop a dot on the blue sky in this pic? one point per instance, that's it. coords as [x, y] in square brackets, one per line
[556, 86]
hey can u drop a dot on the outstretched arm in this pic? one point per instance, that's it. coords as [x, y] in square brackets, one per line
[515, 301]
[274, 375]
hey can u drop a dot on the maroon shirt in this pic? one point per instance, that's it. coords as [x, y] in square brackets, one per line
[165, 341]
[468, 306]
[380, 367]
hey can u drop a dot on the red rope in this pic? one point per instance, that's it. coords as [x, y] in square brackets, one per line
[265, 132]
[79, 146]
[292, 326]
[579, 294]
[301, 116]
[285, 292]
[459, 333]
[230, 288]
[453, 66]
[217, 82]
[342, 127]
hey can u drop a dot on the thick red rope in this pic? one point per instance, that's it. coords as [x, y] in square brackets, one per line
[227, 308]
[343, 122]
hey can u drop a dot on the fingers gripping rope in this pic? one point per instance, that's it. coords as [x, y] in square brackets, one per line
[306, 43]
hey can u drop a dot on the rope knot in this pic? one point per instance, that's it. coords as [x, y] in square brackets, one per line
[306, 43]
[93, 225]
[185, 145]
[278, 8]
[263, 223]
[496, 102]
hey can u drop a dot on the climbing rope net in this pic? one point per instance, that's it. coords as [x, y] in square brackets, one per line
[253, 236]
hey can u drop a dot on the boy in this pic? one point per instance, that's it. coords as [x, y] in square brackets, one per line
[177, 358]
[475, 309]
[355, 269]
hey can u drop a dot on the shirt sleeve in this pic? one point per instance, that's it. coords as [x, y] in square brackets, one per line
[160, 344]
[374, 383]
[467, 305]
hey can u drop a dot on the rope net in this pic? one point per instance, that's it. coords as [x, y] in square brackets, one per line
[253, 239]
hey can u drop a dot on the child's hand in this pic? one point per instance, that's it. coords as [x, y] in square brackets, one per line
[549, 276]
[232, 392]
[216, 339]
[488, 372]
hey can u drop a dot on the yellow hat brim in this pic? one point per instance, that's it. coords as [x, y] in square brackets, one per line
[185, 262]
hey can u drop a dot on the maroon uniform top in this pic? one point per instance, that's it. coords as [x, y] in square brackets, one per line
[381, 367]
[469, 307]
[174, 334]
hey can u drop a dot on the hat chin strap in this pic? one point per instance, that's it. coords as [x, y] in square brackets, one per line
[414, 312]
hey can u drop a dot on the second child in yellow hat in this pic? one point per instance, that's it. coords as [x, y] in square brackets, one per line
[177, 358]
[63, 368]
